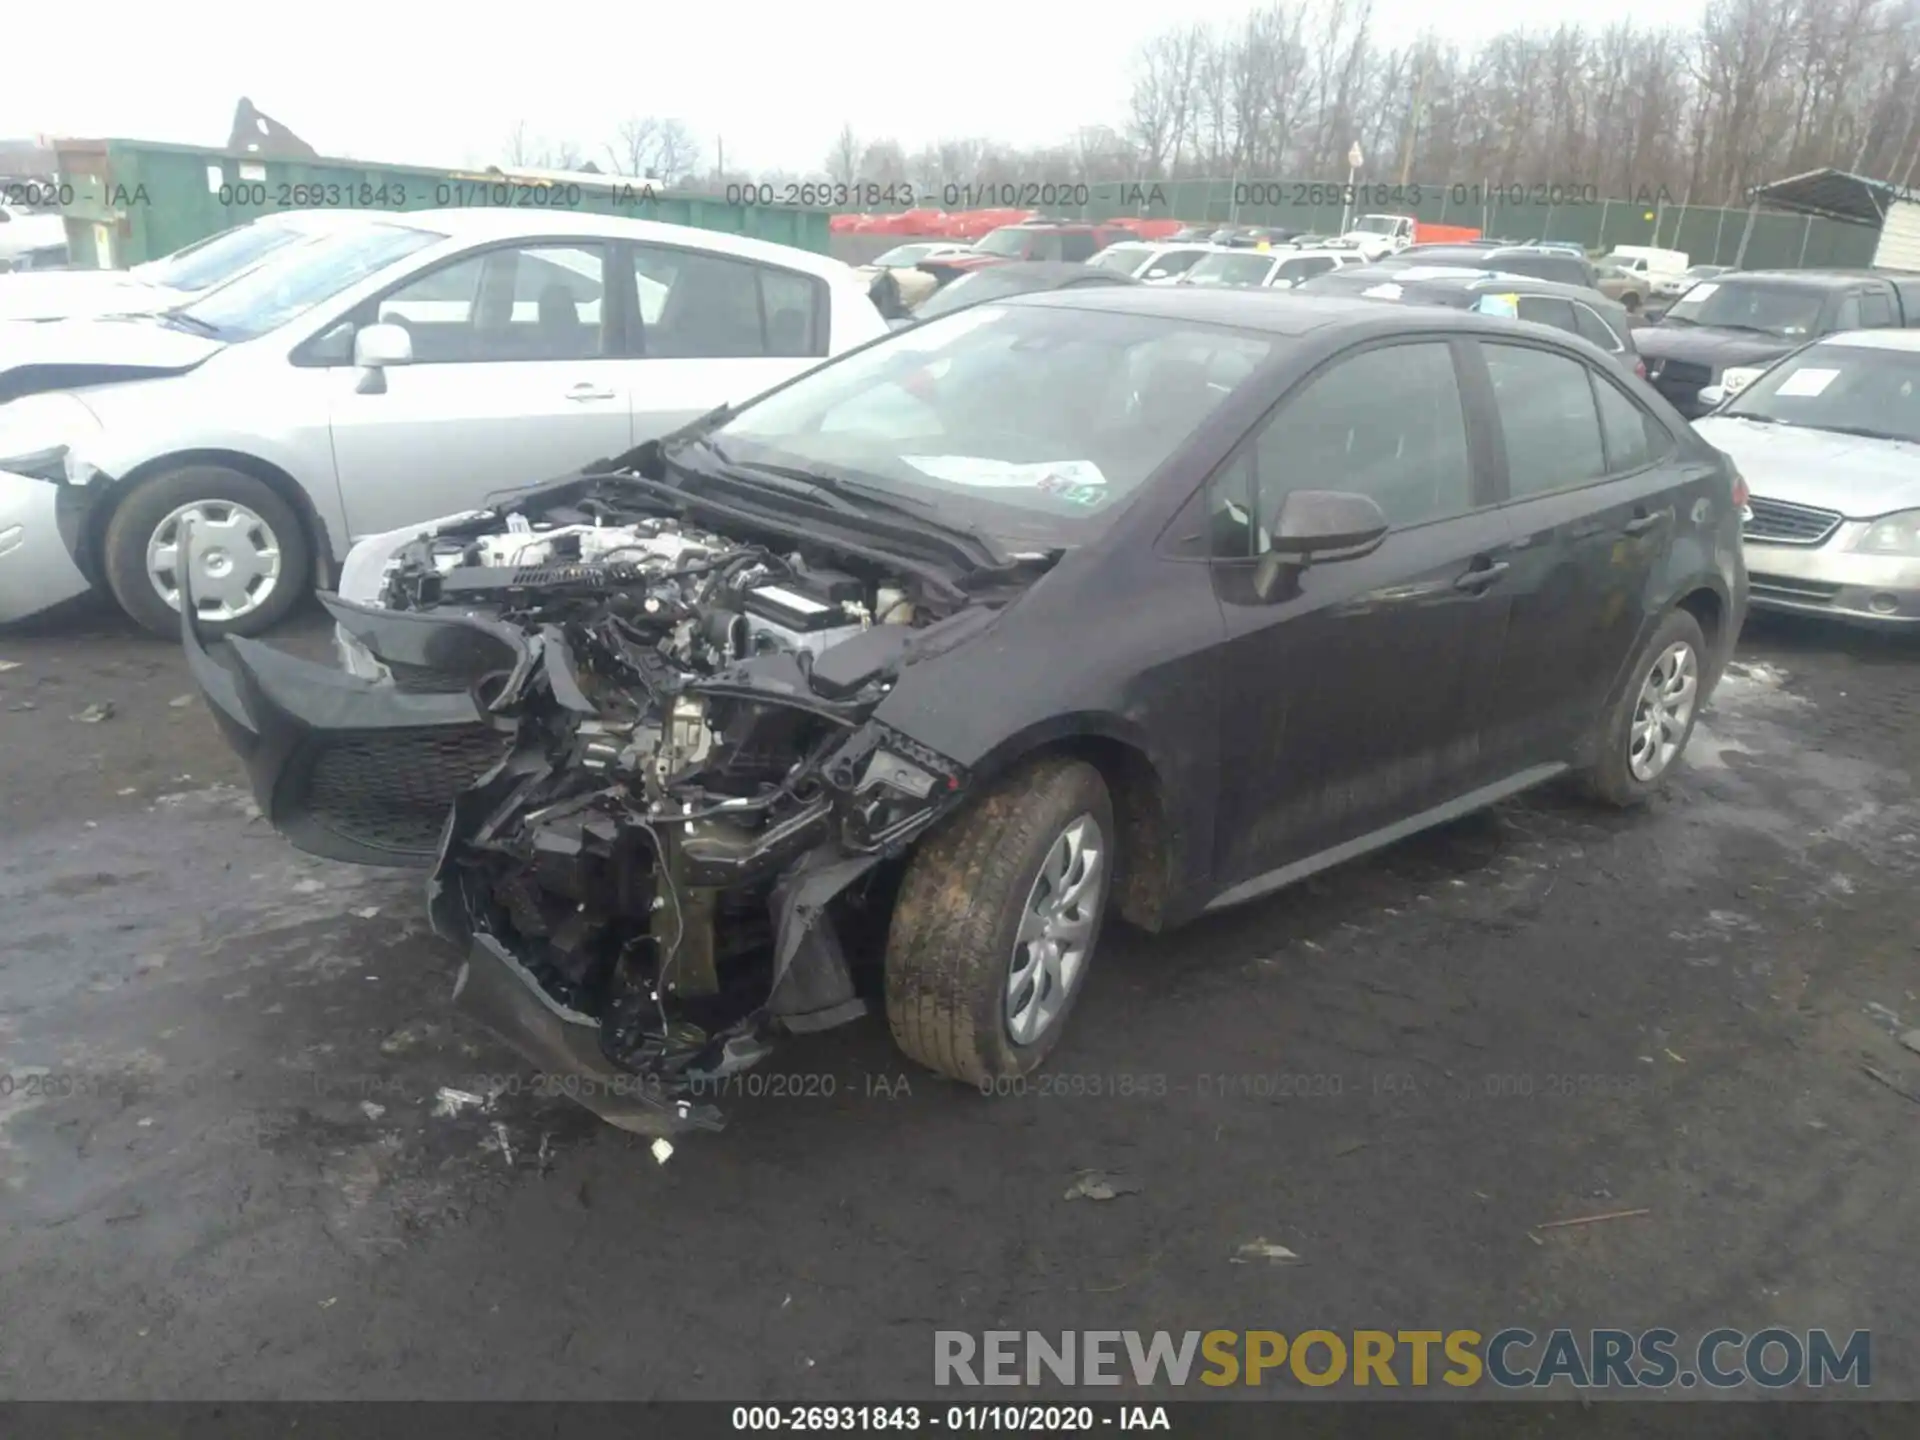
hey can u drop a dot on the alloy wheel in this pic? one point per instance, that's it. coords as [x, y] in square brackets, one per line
[1663, 711]
[1051, 947]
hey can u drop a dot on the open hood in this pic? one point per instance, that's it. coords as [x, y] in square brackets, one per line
[64, 354]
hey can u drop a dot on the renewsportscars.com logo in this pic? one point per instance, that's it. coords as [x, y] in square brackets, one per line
[1509, 1359]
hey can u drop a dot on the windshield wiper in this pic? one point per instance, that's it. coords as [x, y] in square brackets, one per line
[970, 546]
[191, 322]
[764, 477]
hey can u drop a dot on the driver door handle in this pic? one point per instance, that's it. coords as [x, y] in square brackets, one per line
[1640, 524]
[1481, 576]
[587, 390]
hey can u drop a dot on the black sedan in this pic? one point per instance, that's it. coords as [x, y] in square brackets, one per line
[1002, 282]
[886, 688]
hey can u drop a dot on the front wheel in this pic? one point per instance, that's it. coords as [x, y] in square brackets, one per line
[996, 924]
[1647, 728]
[250, 558]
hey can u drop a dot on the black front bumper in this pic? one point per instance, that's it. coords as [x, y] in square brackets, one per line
[354, 769]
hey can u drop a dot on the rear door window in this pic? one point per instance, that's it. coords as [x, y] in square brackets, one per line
[1633, 437]
[1589, 326]
[1876, 311]
[710, 307]
[1548, 310]
[1548, 418]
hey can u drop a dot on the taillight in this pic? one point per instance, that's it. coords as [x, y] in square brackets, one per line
[1640, 368]
[1741, 495]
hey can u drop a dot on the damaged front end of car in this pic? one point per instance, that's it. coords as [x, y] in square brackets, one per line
[640, 757]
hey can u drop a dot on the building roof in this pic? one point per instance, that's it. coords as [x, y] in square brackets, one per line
[1833, 194]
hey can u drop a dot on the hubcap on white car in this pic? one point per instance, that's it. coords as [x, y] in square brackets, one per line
[1056, 927]
[235, 559]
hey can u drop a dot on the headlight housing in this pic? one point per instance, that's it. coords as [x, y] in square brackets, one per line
[1736, 378]
[1896, 534]
[38, 435]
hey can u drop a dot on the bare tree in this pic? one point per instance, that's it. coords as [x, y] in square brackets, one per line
[635, 146]
[843, 161]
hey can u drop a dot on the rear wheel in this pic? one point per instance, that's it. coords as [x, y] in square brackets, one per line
[996, 923]
[250, 558]
[1644, 733]
[1631, 302]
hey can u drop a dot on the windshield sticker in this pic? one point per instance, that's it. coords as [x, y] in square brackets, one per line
[1073, 492]
[1383, 292]
[1006, 474]
[1806, 383]
[1508, 305]
[1702, 290]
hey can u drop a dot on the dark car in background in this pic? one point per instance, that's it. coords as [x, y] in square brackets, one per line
[1542, 262]
[1578, 311]
[1002, 282]
[825, 703]
[1754, 317]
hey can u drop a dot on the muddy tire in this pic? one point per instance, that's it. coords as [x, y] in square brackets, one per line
[973, 990]
[255, 558]
[1645, 732]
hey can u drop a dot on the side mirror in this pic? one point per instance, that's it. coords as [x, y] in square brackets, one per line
[376, 346]
[1712, 395]
[1318, 526]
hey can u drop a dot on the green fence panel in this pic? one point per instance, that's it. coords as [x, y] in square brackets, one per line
[1580, 214]
[132, 201]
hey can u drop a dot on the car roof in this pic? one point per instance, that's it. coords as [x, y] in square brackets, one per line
[1905, 341]
[1054, 272]
[1815, 279]
[483, 222]
[1274, 312]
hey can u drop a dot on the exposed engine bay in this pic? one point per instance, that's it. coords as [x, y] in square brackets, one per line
[691, 819]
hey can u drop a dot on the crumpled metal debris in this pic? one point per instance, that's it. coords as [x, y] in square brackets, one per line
[1099, 1185]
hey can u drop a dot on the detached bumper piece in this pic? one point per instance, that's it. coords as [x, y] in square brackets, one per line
[345, 768]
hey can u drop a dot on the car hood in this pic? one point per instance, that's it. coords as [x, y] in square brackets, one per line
[1705, 345]
[67, 294]
[1858, 476]
[63, 354]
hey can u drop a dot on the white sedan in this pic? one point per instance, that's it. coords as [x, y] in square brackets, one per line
[408, 366]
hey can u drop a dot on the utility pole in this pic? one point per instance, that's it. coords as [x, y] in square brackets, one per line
[1413, 120]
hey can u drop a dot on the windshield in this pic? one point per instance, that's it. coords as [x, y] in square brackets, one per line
[1009, 240]
[218, 258]
[1785, 310]
[1376, 224]
[902, 255]
[1231, 269]
[268, 297]
[1124, 258]
[1033, 423]
[1856, 389]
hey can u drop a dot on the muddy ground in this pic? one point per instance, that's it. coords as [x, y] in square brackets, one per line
[222, 1173]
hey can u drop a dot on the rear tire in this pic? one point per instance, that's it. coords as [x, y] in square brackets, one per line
[1630, 302]
[255, 556]
[969, 935]
[1644, 733]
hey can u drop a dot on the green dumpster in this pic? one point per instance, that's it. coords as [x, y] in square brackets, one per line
[128, 201]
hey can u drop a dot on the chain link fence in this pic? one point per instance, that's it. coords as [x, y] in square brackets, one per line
[1710, 235]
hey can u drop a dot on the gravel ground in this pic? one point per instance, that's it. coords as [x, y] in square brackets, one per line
[222, 1173]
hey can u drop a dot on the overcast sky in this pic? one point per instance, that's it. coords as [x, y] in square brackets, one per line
[429, 85]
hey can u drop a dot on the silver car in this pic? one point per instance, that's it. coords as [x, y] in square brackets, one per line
[1829, 442]
[408, 366]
